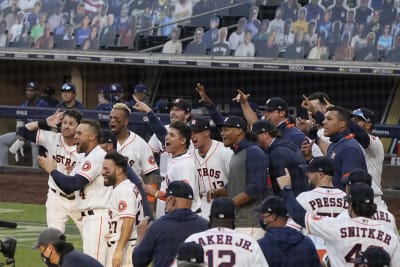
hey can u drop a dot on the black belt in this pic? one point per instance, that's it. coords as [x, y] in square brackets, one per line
[110, 243]
[89, 212]
[69, 197]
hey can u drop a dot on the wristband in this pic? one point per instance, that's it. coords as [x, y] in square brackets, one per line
[286, 188]
[43, 125]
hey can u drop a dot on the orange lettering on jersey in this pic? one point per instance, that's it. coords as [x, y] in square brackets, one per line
[315, 217]
[122, 206]
[152, 161]
[86, 166]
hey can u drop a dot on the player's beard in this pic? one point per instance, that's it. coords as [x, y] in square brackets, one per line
[110, 180]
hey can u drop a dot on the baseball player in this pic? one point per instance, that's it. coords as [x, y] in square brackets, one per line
[212, 160]
[86, 178]
[345, 237]
[382, 214]
[125, 211]
[222, 245]
[131, 145]
[374, 153]
[61, 147]
[324, 199]
[180, 111]
[181, 166]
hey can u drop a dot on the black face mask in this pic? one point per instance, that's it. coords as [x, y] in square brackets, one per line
[45, 259]
[262, 224]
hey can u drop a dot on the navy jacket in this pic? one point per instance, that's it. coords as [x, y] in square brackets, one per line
[73, 258]
[292, 133]
[284, 154]
[347, 155]
[287, 247]
[164, 236]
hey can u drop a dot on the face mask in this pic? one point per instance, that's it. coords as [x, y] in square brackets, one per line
[45, 259]
[262, 224]
[115, 99]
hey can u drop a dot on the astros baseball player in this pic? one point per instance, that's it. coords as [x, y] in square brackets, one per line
[345, 237]
[60, 206]
[212, 160]
[324, 199]
[131, 145]
[125, 210]
[222, 245]
[92, 196]
[180, 111]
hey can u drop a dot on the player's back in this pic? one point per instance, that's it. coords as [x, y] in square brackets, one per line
[345, 237]
[324, 201]
[225, 247]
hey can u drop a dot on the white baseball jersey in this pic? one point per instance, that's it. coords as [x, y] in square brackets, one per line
[346, 237]
[125, 201]
[374, 155]
[322, 201]
[140, 156]
[95, 195]
[158, 147]
[213, 170]
[182, 168]
[383, 216]
[65, 155]
[225, 247]
[60, 206]
[93, 203]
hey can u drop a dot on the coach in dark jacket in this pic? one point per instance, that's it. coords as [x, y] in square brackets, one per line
[56, 252]
[281, 153]
[161, 242]
[281, 245]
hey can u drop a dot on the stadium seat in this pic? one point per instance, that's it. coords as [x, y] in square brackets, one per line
[154, 40]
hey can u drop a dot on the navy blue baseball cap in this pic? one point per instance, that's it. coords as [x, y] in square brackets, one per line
[273, 205]
[320, 164]
[161, 106]
[182, 104]
[32, 85]
[191, 252]
[374, 257]
[234, 122]
[199, 124]
[68, 87]
[107, 136]
[222, 208]
[275, 103]
[361, 193]
[179, 189]
[358, 176]
[262, 126]
[140, 88]
[115, 88]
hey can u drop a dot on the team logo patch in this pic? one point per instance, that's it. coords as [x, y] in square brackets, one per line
[333, 155]
[152, 160]
[315, 217]
[86, 166]
[121, 206]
